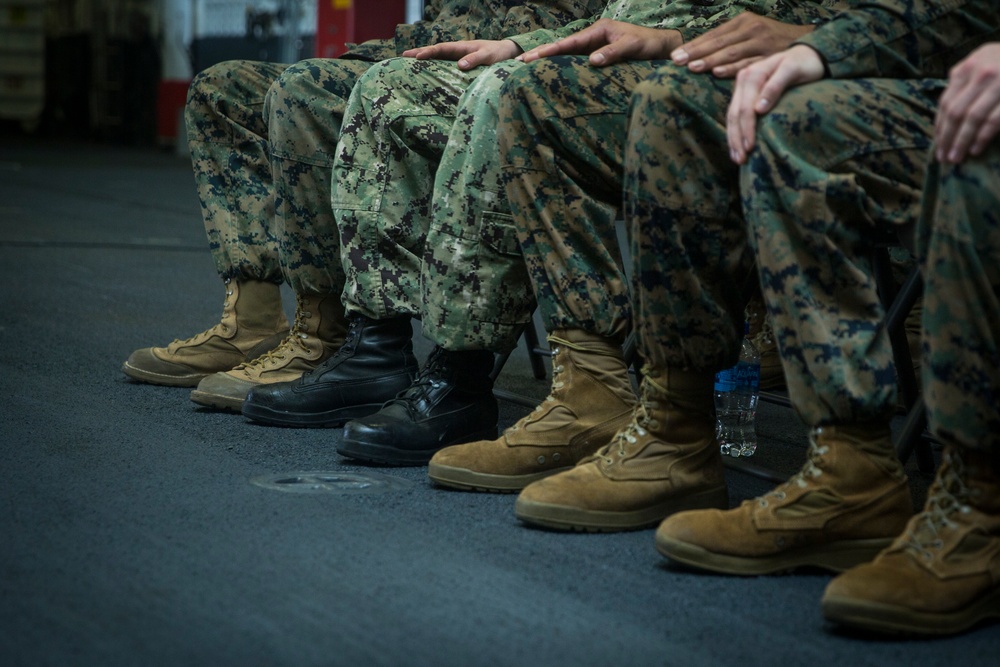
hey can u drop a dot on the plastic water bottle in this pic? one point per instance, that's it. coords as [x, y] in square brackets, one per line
[736, 393]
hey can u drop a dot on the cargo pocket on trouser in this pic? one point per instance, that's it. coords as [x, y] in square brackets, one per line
[504, 295]
[476, 292]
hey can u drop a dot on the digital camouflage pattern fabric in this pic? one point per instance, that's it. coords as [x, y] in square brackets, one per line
[834, 160]
[399, 128]
[472, 293]
[563, 141]
[958, 242]
[262, 136]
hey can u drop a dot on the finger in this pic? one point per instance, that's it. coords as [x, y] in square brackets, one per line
[623, 49]
[789, 72]
[530, 54]
[730, 70]
[987, 133]
[705, 45]
[474, 60]
[448, 51]
[724, 56]
[948, 115]
[742, 91]
[717, 38]
[977, 114]
[952, 108]
[569, 45]
[420, 53]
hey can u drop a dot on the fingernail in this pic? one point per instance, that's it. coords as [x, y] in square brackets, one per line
[597, 58]
[697, 65]
[733, 155]
[746, 144]
[953, 156]
[679, 56]
[463, 63]
[762, 104]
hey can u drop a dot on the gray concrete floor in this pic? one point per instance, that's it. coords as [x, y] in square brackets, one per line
[132, 530]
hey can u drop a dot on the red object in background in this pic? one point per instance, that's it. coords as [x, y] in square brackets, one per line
[170, 98]
[339, 22]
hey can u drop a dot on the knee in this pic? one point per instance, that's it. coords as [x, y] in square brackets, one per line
[519, 91]
[794, 122]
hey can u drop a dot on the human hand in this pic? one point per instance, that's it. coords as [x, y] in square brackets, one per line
[968, 116]
[470, 53]
[759, 87]
[739, 42]
[608, 41]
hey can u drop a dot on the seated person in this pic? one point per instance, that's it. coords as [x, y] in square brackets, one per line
[262, 138]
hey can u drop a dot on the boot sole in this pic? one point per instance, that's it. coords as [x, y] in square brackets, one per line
[163, 380]
[564, 517]
[894, 620]
[470, 480]
[836, 557]
[329, 419]
[390, 456]
[216, 401]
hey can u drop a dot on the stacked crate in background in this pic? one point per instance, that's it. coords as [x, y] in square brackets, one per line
[22, 61]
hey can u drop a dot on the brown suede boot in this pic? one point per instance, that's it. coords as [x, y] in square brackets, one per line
[591, 400]
[665, 460]
[319, 331]
[845, 505]
[772, 375]
[942, 575]
[252, 323]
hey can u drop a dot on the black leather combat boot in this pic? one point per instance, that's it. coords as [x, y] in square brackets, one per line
[373, 365]
[450, 402]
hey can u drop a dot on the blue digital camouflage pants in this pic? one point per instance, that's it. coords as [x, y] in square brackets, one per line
[424, 222]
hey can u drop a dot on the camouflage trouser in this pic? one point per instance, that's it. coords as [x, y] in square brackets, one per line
[475, 291]
[836, 163]
[839, 163]
[562, 142]
[262, 137]
[958, 241]
[415, 171]
[692, 265]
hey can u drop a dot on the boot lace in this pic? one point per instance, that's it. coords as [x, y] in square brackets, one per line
[946, 497]
[289, 346]
[220, 325]
[431, 376]
[557, 385]
[350, 340]
[812, 469]
[765, 337]
[642, 422]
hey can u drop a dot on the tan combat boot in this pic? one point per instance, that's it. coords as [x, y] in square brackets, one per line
[772, 375]
[846, 504]
[591, 400]
[318, 332]
[665, 460]
[942, 575]
[252, 322]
